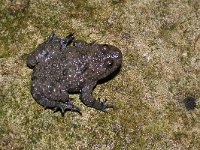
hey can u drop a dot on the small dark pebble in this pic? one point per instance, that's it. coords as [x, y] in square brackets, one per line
[190, 103]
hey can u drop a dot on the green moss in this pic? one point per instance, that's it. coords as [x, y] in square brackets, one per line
[147, 93]
[4, 53]
[178, 136]
[117, 1]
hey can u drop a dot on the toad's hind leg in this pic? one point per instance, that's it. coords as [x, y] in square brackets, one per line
[87, 98]
[57, 105]
[67, 40]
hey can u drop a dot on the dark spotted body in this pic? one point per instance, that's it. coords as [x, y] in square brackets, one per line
[59, 69]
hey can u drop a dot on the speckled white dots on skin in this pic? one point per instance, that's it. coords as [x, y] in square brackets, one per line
[59, 70]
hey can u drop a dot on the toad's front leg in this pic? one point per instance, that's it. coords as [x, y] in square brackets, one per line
[87, 98]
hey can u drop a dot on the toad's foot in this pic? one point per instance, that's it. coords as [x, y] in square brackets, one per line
[59, 106]
[66, 106]
[87, 98]
[103, 105]
[95, 103]
[67, 40]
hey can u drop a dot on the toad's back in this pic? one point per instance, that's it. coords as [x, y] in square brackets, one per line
[59, 69]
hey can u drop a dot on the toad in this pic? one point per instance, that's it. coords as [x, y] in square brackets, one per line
[65, 65]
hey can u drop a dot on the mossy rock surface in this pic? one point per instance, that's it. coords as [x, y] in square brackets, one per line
[160, 42]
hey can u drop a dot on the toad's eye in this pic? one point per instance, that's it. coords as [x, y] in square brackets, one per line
[108, 63]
